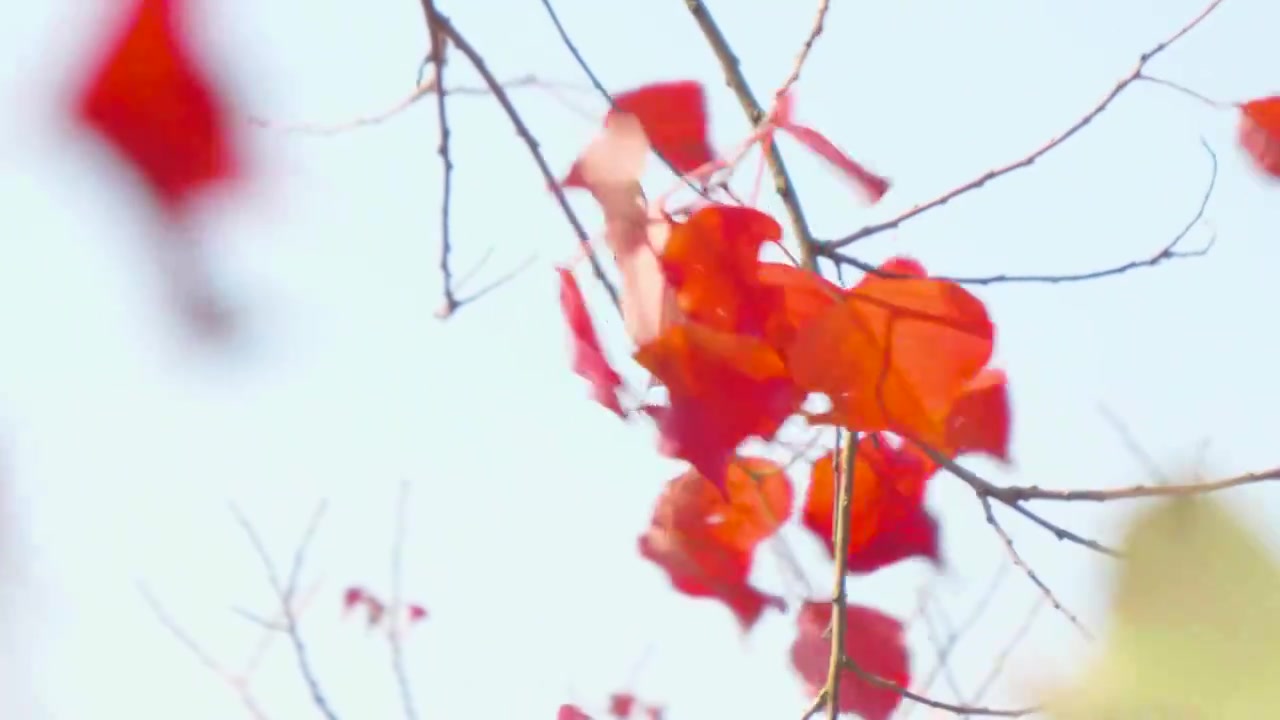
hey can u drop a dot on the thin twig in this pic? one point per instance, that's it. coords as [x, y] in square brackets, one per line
[477, 61]
[1018, 635]
[238, 683]
[1027, 160]
[572, 47]
[819, 22]
[957, 632]
[438, 47]
[1170, 251]
[1022, 564]
[284, 594]
[425, 87]
[937, 704]
[755, 115]
[394, 638]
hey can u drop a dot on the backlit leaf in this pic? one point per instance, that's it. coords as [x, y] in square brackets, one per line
[889, 520]
[589, 360]
[1260, 133]
[873, 641]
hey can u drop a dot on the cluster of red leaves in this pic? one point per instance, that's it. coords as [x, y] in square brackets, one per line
[740, 343]
[1260, 133]
[375, 609]
[623, 706]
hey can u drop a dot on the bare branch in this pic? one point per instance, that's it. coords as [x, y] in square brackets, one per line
[819, 21]
[843, 525]
[1026, 161]
[1169, 252]
[755, 115]
[427, 86]
[284, 594]
[1026, 568]
[448, 30]
[937, 704]
[394, 635]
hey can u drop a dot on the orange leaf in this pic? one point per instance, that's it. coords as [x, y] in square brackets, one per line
[712, 259]
[705, 539]
[153, 102]
[1260, 133]
[872, 185]
[589, 360]
[895, 353]
[873, 641]
[805, 296]
[723, 388]
[889, 521]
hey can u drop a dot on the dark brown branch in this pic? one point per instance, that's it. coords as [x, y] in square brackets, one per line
[736, 81]
[447, 28]
[1026, 161]
[439, 45]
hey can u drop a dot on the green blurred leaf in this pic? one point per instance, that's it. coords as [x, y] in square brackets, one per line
[1195, 626]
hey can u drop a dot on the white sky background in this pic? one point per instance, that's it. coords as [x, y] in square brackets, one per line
[123, 445]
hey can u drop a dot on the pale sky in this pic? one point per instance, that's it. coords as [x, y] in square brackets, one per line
[124, 445]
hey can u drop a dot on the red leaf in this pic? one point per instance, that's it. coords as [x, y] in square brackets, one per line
[571, 712]
[873, 641]
[890, 522]
[712, 261]
[674, 118]
[589, 360]
[653, 712]
[352, 597]
[704, 539]
[150, 99]
[416, 613]
[621, 705]
[979, 419]
[868, 182]
[722, 387]
[1260, 133]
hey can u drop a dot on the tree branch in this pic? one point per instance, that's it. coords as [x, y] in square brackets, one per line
[1027, 160]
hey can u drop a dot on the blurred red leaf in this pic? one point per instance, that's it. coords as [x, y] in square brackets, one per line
[872, 185]
[621, 705]
[889, 520]
[571, 712]
[722, 387]
[873, 641]
[636, 235]
[353, 596]
[1260, 133]
[895, 354]
[149, 98]
[673, 116]
[705, 539]
[416, 613]
[589, 360]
